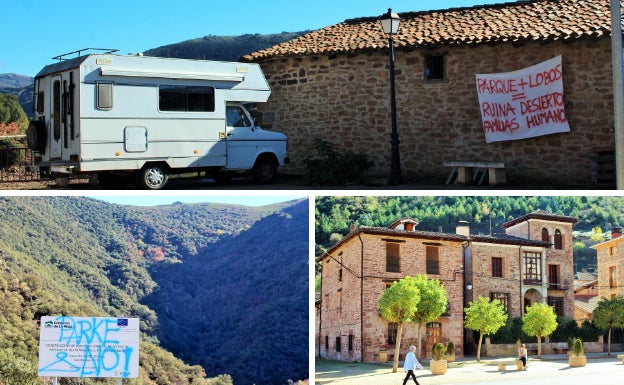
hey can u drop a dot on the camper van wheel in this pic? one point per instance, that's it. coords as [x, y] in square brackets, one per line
[265, 169]
[36, 135]
[153, 177]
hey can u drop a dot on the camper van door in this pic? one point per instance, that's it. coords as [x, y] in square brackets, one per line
[241, 145]
[55, 135]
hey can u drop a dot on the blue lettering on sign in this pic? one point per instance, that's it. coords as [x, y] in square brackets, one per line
[92, 347]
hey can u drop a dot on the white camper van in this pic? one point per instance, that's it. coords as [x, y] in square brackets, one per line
[124, 115]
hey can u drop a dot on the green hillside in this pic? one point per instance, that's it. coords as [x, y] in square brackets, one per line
[82, 257]
[335, 215]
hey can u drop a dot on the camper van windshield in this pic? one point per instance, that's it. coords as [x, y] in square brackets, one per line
[186, 98]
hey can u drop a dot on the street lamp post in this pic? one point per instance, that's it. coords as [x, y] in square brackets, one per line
[390, 25]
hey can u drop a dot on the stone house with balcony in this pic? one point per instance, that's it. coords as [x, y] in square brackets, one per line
[333, 84]
[610, 255]
[514, 267]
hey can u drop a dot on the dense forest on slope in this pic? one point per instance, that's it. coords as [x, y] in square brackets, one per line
[79, 256]
[335, 215]
[225, 48]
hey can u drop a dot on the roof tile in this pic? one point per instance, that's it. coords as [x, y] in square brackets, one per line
[530, 20]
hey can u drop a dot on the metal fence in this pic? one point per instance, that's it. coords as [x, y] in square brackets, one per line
[17, 165]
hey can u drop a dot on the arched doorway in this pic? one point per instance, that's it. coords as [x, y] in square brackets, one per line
[531, 296]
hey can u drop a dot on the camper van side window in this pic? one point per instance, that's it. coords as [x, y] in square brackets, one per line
[104, 96]
[186, 98]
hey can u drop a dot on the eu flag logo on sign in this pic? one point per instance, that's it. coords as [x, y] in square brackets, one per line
[122, 322]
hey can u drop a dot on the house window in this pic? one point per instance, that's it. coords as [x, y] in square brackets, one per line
[393, 257]
[532, 268]
[340, 271]
[40, 102]
[545, 235]
[503, 298]
[497, 267]
[557, 304]
[612, 277]
[350, 342]
[611, 250]
[393, 327]
[553, 277]
[338, 343]
[186, 98]
[326, 342]
[434, 67]
[558, 240]
[433, 259]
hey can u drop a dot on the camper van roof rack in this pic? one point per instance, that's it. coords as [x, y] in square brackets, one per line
[80, 51]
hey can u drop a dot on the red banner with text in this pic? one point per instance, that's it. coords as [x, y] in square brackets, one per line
[524, 103]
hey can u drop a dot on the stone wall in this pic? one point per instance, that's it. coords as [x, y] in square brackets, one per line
[345, 100]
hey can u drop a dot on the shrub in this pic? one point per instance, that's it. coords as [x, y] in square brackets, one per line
[589, 331]
[450, 348]
[578, 347]
[438, 351]
[334, 167]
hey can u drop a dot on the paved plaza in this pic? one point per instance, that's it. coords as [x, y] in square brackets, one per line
[550, 370]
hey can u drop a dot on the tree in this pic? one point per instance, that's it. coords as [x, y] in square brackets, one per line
[609, 314]
[540, 321]
[398, 303]
[486, 317]
[432, 303]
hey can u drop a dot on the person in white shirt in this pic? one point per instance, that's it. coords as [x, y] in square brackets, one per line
[410, 364]
[522, 355]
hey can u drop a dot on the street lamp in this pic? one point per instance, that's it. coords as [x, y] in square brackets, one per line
[390, 24]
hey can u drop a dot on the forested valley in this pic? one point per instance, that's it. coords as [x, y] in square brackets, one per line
[221, 291]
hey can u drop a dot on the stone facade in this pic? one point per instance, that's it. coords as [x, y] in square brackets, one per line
[345, 100]
[357, 270]
[611, 266]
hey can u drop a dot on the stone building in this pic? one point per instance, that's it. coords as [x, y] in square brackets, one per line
[516, 268]
[333, 84]
[610, 256]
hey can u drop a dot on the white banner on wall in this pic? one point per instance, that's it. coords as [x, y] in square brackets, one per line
[89, 347]
[524, 103]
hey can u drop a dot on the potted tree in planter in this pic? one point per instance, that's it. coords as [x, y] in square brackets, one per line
[570, 346]
[450, 352]
[578, 358]
[438, 364]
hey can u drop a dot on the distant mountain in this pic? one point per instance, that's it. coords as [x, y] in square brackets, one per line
[224, 48]
[20, 86]
[221, 286]
[15, 81]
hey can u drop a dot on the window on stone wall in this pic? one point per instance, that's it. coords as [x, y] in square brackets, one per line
[393, 328]
[326, 342]
[545, 235]
[350, 342]
[433, 259]
[497, 267]
[434, 67]
[338, 343]
[553, 277]
[393, 257]
[557, 304]
[532, 268]
[612, 277]
[503, 298]
[558, 240]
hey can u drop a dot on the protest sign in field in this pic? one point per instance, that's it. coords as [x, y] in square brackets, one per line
[89, 347]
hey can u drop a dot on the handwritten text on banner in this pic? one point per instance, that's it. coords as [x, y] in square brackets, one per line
[524, 103]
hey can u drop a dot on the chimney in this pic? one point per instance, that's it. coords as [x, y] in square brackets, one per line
[616, 232]
[462, 228]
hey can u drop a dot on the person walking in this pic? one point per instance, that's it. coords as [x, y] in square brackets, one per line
[410, 364]
[522, 356]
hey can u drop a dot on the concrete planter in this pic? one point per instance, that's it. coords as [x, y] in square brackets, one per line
[438, 366]
[449, 357]
[577, 361]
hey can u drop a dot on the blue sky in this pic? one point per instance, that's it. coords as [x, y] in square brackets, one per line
[34, 31]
